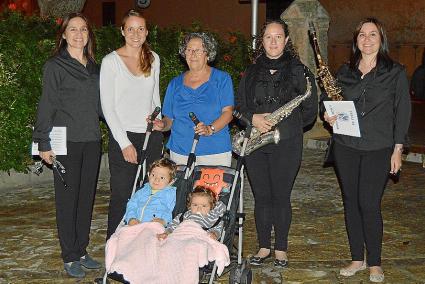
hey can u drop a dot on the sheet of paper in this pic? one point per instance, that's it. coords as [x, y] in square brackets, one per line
[57, 141]
[347, 122]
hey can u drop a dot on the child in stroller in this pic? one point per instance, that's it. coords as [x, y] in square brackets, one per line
[138, 255]
[155, 201]
[203, 209]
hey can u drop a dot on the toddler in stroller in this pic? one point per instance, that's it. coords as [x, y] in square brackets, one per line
[203, 209]
[139, 255]
[155, 201]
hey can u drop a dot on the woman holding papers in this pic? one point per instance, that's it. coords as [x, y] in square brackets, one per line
[379, 88]
[129, 92]
[70, 99]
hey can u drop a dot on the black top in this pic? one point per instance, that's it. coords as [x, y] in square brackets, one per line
[417, 85]
[261, 92]
[70, 98]
[383, 106]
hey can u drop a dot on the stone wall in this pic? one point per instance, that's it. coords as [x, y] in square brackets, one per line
[9, 181]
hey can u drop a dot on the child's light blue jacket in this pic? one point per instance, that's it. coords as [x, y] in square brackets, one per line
[144, 206]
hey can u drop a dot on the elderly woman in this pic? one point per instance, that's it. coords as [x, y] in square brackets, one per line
[206, 91]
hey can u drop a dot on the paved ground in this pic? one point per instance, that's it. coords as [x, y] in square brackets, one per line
[417, 126]
[29, 250]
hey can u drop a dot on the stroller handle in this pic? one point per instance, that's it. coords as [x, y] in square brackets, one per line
[195, 121]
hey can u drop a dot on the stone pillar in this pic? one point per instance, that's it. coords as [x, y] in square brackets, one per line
[297, 16]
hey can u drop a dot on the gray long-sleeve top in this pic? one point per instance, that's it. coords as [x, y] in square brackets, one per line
[207, 222]
[70, 98]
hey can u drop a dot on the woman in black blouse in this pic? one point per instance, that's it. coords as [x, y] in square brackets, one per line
[276, 77]
[380, 90]
[70, 98]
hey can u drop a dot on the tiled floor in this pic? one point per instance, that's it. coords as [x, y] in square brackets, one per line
[29, 250]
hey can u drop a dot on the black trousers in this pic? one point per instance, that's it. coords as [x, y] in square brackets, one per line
[74, 203]
[363, 176]
[124, 173]
[272, 171]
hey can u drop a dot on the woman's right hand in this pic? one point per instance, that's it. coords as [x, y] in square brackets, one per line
[47, 156]
[163, 124]
[259, 121]
[158, 124]
[130, 154]
[330, 119]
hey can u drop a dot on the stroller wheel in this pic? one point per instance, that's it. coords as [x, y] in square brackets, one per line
[246, 277]
[240, 276]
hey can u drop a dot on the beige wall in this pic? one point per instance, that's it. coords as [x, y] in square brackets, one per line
[218, 15]
[404, 21]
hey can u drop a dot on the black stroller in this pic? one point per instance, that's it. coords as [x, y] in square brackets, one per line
[231, 182]
[231, 195]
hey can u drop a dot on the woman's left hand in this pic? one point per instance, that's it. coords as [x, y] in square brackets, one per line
[202, 129]
[395, 161]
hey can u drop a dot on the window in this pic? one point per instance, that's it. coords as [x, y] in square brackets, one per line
[274, 8]
[108, 13]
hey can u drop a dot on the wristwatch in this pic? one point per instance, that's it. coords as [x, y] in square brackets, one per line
[212, 128]
[399, 147]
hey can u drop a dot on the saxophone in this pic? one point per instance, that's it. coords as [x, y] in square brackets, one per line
[329, 83]
[258, 140]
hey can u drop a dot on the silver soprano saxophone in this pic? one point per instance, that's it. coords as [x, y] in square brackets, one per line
[258, 140]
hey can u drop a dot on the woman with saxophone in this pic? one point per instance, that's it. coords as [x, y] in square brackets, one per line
[276, 77]
[379, 88]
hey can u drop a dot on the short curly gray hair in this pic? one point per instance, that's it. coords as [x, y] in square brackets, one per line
[208, 42]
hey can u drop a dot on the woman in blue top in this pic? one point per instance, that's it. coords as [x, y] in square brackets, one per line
[206, 91]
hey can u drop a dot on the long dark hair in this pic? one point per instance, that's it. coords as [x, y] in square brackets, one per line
[61, 42]
[146, 57]
[383, 52]
[259, 48]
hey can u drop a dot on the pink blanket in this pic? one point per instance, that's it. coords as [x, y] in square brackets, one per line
[136, 253]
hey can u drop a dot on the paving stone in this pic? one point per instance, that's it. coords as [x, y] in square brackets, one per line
[29, 249]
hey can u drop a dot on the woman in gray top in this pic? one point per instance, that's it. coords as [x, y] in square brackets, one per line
[70, 99]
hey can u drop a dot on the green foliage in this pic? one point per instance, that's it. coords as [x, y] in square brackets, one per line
[27, 42]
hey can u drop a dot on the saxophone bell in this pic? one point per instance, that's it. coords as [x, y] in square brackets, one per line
[258, 139]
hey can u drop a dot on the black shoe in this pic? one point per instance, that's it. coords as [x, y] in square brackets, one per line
[281, 263]
[74, 269]
[89, 263]
[257, 260]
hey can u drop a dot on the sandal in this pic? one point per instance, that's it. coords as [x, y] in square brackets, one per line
[258, 260]
[351, 271]
[281, 263]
